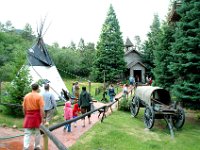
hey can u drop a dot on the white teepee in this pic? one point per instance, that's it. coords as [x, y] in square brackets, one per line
[42, 68]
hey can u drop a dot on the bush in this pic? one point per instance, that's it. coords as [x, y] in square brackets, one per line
[124, 104]
[198, 116]
[17, 89]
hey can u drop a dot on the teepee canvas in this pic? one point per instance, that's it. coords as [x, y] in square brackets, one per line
[42, 68]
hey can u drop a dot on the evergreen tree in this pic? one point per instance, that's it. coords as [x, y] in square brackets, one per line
[72, 45]
[8, 26]
[87, 59]
[81, 45]
[19, 87]
[110, 50]
[28, 33]
[186, 52]
[150, 44]
[138, 43]
[162, 58]
[12, 54]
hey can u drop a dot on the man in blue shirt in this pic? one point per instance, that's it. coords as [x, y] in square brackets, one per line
[131, 80]
[49, 103]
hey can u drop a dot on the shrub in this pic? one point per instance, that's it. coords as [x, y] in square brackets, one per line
[17, 89]
[124, 104]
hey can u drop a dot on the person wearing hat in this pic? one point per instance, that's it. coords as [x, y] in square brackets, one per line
[76, 93]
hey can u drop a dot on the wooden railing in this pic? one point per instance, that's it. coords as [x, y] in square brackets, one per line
[47, 131]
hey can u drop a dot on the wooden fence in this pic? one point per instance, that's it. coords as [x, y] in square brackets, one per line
[47, 131]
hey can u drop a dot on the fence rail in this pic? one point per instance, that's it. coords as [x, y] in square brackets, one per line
[47, 131]
[59, 144]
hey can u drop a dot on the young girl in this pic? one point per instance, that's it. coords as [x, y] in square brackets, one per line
[125, 91]
[68, 115]
[76, 111]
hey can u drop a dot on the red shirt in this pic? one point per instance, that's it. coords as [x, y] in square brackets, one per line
[76, 110]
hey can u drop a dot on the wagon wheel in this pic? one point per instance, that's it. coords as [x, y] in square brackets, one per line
[149, 117]
[135, 106]
[179, 119]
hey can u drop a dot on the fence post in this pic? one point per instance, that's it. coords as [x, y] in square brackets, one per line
[111, 109]
[117, 99]
[45, 138]
[95, 93]
[89, 82]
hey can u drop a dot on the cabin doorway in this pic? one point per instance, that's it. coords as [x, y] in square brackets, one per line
[137, 75]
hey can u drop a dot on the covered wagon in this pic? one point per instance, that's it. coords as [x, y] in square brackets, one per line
[158, 105]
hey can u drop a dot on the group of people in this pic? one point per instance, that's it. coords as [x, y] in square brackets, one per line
[134, 81]
[149, 80]
[84, 102]
[39, 109]
[111, 91]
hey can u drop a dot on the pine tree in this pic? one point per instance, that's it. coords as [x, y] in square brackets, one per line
[87, 59]
[19, 87]
[27, 33]
[110, 50]
[150, 44]
[186, 52]
[162, 58]
[81, 45]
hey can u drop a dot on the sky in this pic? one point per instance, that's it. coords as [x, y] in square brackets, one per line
[70, 20]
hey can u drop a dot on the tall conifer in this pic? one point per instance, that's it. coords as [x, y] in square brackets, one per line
[150, 44]
[110, 49]
[186, 52]
[162, 57]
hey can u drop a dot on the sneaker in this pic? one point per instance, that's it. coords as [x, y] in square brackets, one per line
[64, 129]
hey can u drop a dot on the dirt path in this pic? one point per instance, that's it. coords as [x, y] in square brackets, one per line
[68, 139]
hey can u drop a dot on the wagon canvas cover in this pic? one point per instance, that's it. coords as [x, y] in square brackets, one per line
[145, 93]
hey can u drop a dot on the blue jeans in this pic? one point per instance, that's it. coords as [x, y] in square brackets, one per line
[68, 127]
[111, 98]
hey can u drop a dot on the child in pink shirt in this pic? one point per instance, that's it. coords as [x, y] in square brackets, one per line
[68, 115]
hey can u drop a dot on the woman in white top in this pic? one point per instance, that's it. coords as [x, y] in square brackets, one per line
[125, 91]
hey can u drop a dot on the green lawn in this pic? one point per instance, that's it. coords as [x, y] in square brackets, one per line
[120, 131]
[10, 120]
[69, 82]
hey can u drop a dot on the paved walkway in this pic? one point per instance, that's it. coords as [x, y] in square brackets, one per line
[68, 139]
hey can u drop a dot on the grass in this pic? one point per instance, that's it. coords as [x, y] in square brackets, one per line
[9, 120]
[69, 82]
[120, 131]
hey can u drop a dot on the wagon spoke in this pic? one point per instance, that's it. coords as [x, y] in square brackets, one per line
[134, 106]
[179, 120]
[149, 117]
